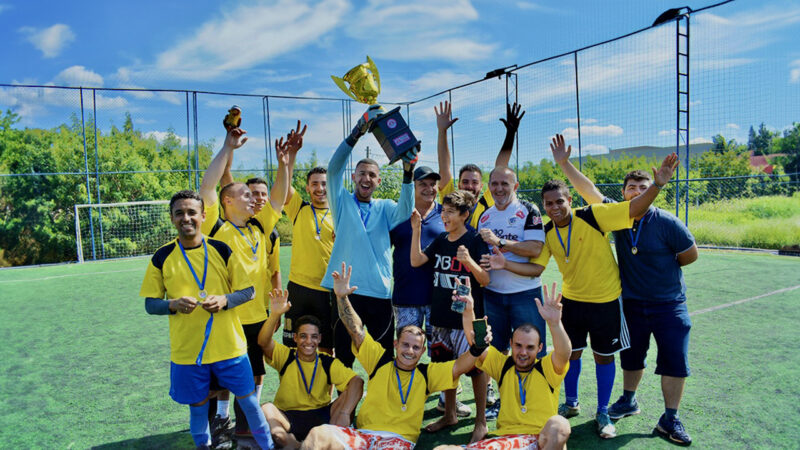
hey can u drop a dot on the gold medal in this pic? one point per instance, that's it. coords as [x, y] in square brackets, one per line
[202, 294]
[524, 410]
[634, 250]
[403, 408]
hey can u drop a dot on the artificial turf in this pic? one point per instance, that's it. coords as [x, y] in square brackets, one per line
[84, 366]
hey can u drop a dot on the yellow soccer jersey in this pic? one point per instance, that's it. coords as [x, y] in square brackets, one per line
[541, 402]
[310, 255]
[382, 409]
[292, 394]
[243, 241]
[591, 275]
[168, 274]
[484, 203]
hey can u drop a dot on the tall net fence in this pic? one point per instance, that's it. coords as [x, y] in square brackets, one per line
[694, 85]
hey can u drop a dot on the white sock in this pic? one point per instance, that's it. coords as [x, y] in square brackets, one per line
[222, 408]
[258, 393]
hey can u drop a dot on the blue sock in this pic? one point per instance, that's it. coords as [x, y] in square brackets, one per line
[605, 384]
[198, 424]
[628, 396]
[670, 413]
[258, 423]
[571, 382]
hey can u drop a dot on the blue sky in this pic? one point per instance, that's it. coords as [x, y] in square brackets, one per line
[745, 66]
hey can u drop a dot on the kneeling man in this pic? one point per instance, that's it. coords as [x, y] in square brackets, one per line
[528, 386]
[303, 399]
[398, 386]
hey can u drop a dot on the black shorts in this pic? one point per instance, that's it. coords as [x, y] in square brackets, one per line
[306, 301]
[301, 422]
[377, 315]
[254, 352]
[603, 322]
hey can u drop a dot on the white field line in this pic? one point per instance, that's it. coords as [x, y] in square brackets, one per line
[744, 300]
[70, 275]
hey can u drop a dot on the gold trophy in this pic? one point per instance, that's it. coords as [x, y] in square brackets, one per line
[362, 83]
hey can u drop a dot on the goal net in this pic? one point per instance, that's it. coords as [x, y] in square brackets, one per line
[120, 230]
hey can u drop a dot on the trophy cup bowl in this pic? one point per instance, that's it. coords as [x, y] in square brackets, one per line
[362, 83]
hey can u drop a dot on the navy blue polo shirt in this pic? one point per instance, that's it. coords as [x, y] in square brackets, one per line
[413, 286]
[653, 273]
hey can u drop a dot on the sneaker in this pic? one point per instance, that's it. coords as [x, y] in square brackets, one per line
[493, 411]
[462, 410]
[674, 430]
[459, 389]
[219, 425]
[605, 428]
[491, 395]
[621, 409]
[566, 411]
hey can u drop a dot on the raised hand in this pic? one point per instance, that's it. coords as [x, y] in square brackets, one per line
[664, 173]
[444, 116]
[282, 150]
[235, 138]
[513, 117]
[279, 301]
[560, 151]
[550, 310]
[416, 220]
[341, 281]
[294, 140]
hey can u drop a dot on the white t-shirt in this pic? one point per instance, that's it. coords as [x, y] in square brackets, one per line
[520, 221]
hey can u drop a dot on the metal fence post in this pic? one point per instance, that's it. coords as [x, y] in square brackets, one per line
[268, 136]
[196, 145]
[188, 142]
[578, 110]
[97, 174]
[86, 169]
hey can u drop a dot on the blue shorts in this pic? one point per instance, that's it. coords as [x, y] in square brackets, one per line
[669, 323]
[190, 383]
[508, 311]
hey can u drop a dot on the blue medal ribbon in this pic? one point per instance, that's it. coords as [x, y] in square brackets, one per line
[254, 249]
[303, 375]
[635, 239]
[403, 400]
[327, 210]
[523, 392]
[202, 286]
[364, 218]
[569, 238]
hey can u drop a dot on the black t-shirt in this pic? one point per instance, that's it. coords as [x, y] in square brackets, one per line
[446, 267]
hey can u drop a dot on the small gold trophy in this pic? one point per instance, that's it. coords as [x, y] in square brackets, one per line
[362, 83]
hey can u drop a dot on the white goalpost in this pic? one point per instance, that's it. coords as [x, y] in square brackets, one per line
[121, 230]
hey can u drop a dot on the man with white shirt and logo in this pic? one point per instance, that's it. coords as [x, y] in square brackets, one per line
[513, 227]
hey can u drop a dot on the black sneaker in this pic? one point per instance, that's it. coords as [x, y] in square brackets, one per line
[493, 411]
[673, 430]
[220, 425]
[621, 409]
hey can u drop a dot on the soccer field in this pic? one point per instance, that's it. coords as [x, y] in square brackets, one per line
[84, 366]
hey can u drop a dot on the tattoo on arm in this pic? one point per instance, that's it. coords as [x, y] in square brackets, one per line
[350, 318]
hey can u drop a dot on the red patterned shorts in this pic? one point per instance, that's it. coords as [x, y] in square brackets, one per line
[355, 439]
[507, 442]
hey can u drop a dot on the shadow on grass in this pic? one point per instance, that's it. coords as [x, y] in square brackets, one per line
[585, 436]
[174, 440]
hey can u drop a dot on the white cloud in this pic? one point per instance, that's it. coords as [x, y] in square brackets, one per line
[592, 130]
[531, 6]
[700, 140]
[161, 136]
[249, 35]
[794, 73]
[4, 8]
[50, 41]
[732, 126]
[79, 76]
[667, 132]
[439, 30]
[593, 149]
[33, 102]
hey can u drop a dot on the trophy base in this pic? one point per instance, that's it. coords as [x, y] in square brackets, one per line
[393, 135]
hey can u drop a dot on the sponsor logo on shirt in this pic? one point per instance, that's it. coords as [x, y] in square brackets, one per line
[484, 218]
[520, 214]
[536, 220]
[511, 220]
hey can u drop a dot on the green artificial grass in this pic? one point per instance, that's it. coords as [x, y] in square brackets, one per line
[84, 366]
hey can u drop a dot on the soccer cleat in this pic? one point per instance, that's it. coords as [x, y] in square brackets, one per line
[567, 411]
[621, 409]
[493, 411]
[220, 425]
[462, 410]
[605, 428]
[673, 430]
[491, 396]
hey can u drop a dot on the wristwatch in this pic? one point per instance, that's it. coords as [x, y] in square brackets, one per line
[502, 243]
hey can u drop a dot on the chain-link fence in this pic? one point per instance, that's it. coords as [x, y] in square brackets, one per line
[622, 104]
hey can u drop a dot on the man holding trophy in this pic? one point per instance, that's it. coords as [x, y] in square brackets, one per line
[362, 223]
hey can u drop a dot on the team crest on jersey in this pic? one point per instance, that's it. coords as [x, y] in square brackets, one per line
[520, 214]
[484, 218]
[511, 220]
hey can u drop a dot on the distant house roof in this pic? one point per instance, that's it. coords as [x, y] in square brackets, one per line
[763, 161]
